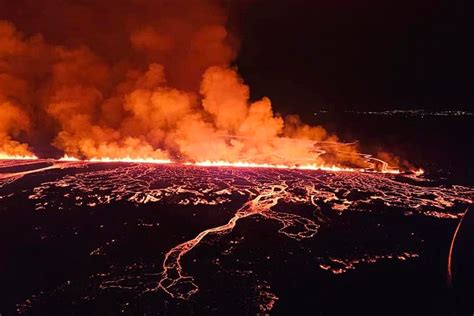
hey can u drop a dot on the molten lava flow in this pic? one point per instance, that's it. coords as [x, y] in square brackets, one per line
[298, 203]
[178, 285]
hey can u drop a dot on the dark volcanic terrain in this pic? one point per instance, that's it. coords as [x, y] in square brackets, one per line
[104, 238]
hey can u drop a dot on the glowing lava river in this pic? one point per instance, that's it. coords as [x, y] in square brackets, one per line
[176, 239]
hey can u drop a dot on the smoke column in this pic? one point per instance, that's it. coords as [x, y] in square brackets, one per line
[139, 78]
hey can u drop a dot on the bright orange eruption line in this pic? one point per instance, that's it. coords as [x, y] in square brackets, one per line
[130, 159]
[218, 163]
[240, 164]
[68, 158]
[4, 156]
[243, 164]
[121, 159]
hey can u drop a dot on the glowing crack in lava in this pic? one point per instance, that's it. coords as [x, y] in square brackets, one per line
[374, 165]
[298, 203]
[175, 282]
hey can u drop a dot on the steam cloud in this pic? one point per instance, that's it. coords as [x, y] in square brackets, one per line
[139, 78]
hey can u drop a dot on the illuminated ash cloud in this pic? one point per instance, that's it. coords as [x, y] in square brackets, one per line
[140, 79]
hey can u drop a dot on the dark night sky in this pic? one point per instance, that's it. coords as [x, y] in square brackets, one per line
[340, 54]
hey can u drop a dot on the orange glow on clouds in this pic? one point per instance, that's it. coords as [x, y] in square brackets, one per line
[170, 94]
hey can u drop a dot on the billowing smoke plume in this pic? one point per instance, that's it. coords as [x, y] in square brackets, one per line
[139, 78]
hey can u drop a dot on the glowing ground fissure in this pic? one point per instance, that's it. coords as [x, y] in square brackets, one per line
[174, 280]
